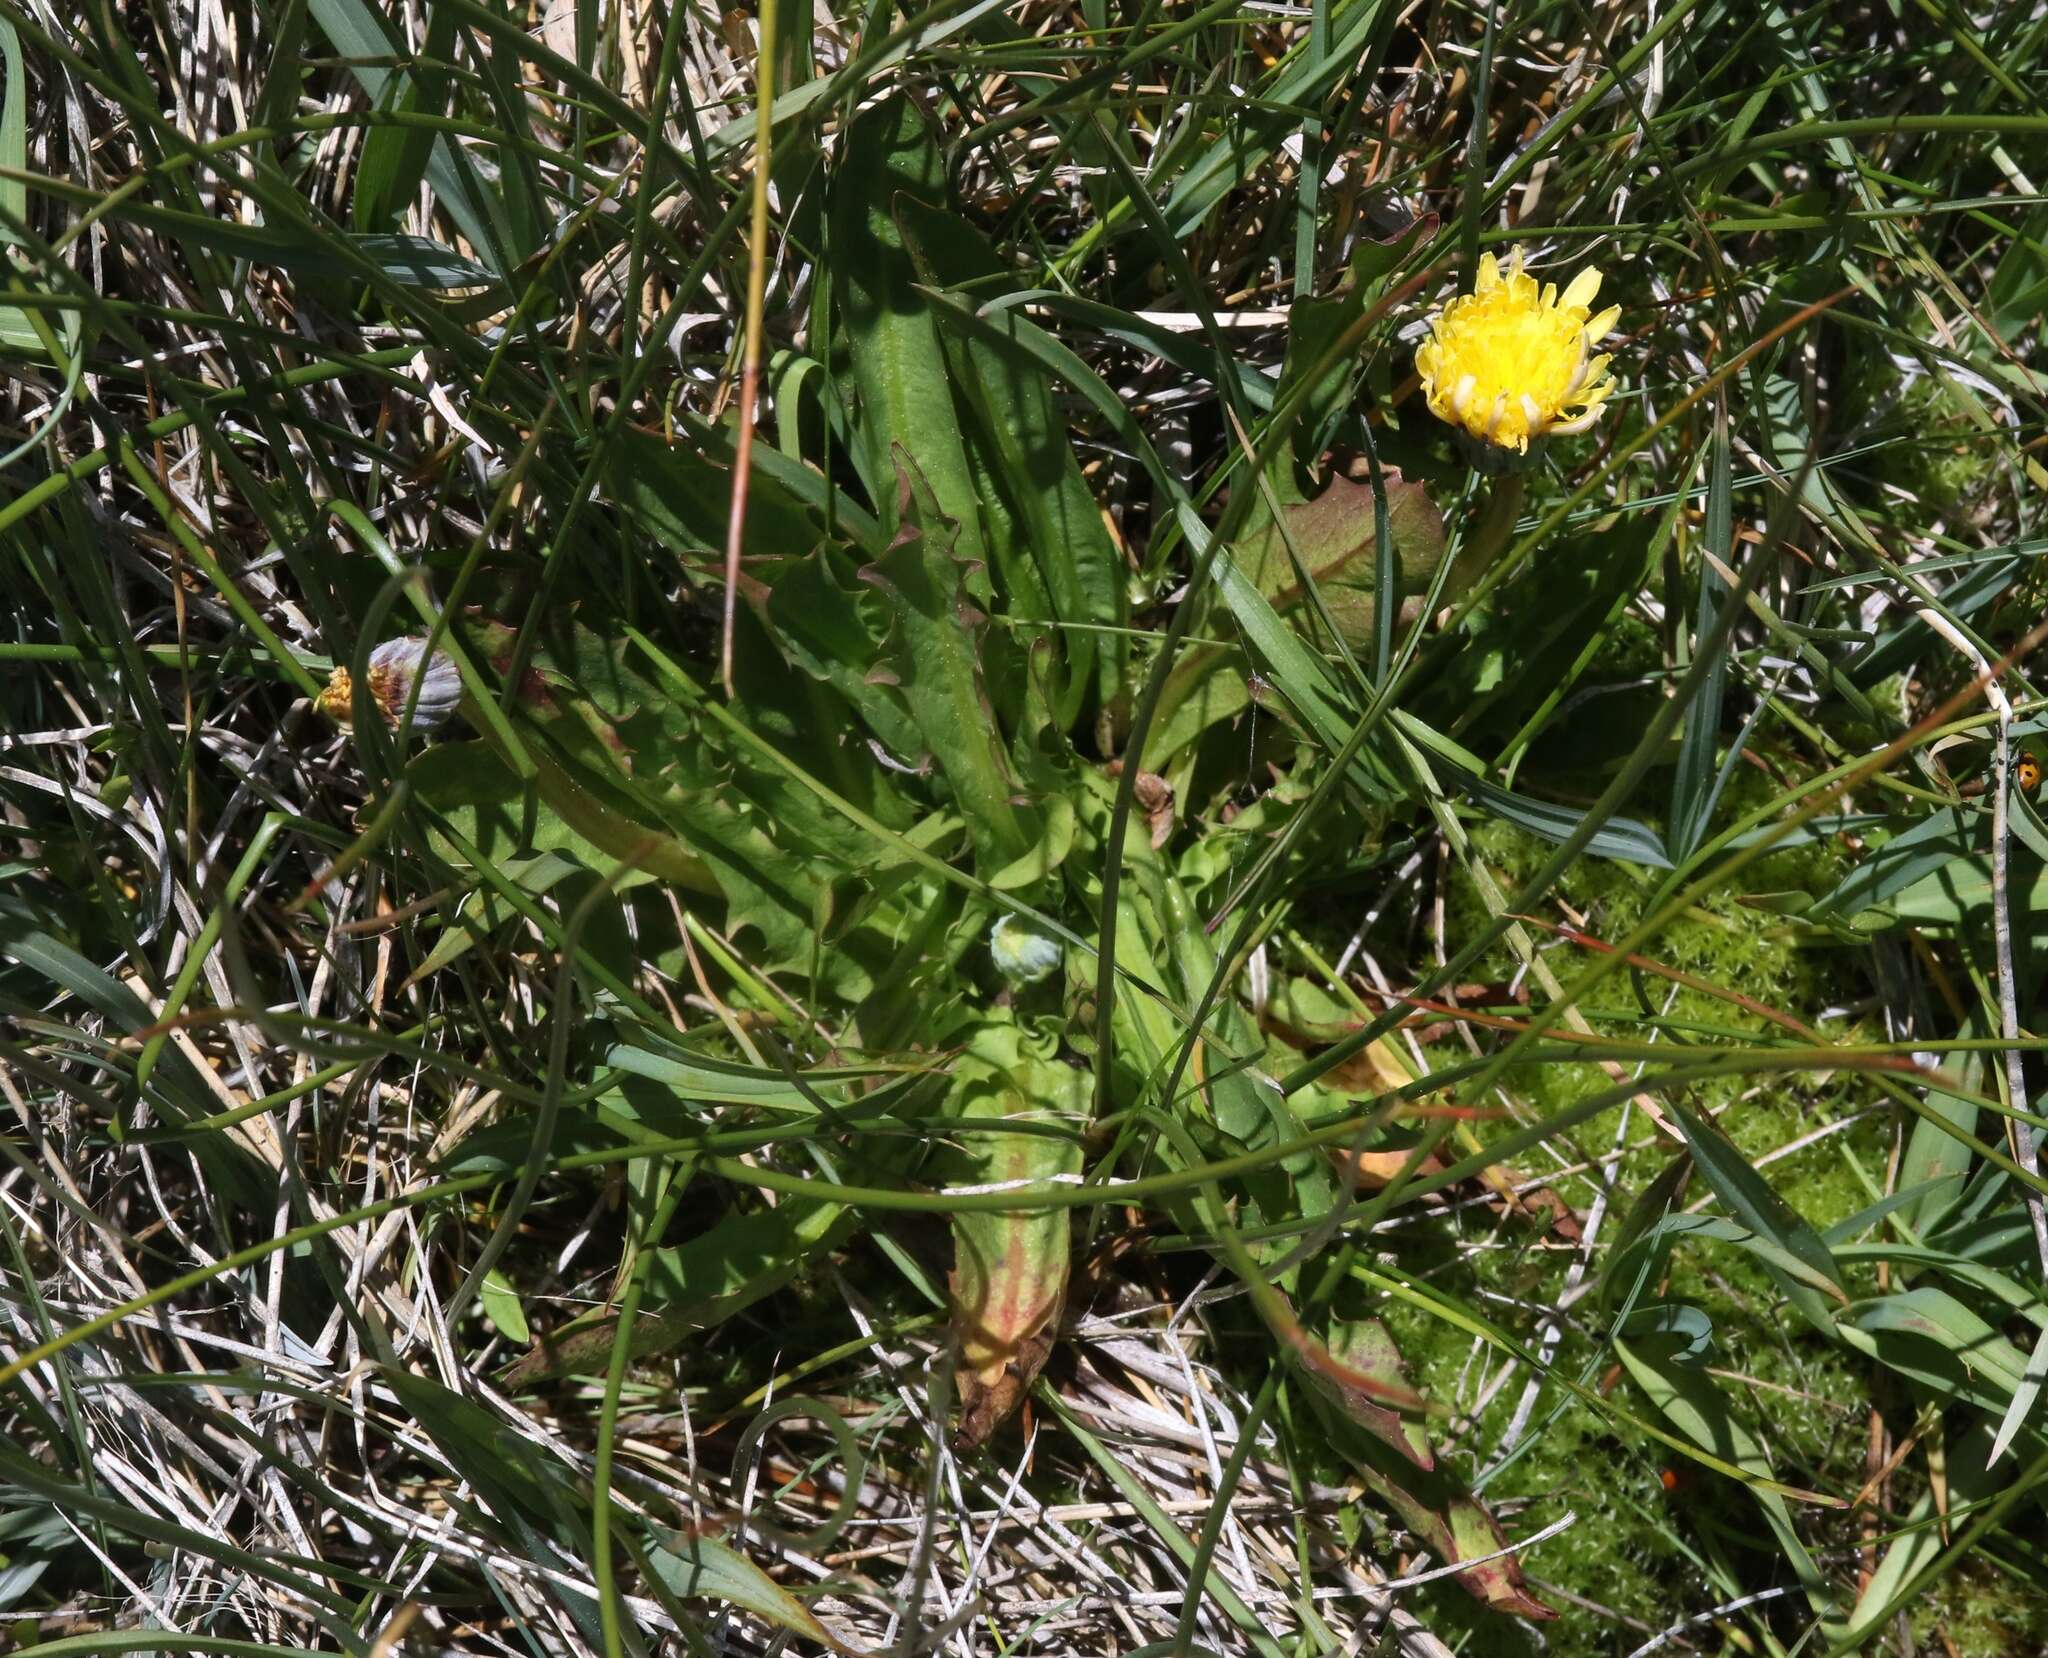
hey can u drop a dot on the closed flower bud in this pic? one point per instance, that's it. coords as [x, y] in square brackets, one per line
[394, 666]
[1022, 954]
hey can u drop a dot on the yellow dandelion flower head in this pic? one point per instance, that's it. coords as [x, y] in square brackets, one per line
[1512, 361]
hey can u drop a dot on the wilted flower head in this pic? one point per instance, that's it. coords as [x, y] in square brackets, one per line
[393, 667]
[1511, 362]
[1022, 954]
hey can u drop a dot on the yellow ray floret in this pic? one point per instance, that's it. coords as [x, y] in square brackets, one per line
[1512, 361]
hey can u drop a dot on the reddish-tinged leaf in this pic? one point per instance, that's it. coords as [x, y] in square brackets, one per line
[1362, 1370]
[1336, 539]
[1358, 1374]
[1457, 1526]
[1009, 1276]
[1375, 1169]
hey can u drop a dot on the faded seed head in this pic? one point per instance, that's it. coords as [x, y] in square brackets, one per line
[393, 668]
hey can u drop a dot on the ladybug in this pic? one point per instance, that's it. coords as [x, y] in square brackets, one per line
[2028, 773]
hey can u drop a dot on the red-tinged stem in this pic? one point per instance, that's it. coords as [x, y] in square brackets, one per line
[757, 289]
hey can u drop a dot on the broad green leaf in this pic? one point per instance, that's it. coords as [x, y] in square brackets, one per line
[1960, 1270]
[1618, 837]
[819, 627]
[2018, 290]
[823, 498]
[1918, 1542]
[695, 1286]
[411, 261]
[1987, 1222]
[482, 912]
[1934, 1163]
[933, 652]
[1960, 893]
[477, 791]
[1056, 840]
[1314, 327]
[708, 1078]
[395, 158]
[1212, 1075]
[16, 332]
[417, 262]
[684, 499]
[1927, 1334]
[893, 357]
[1204, 688]
[803, 717]
[500, 1302]
[1335, 539]
[1064, 364]
[744, 1257]
[1842, 1236]
[13, 135]
[1231, 1104]
[1652, 1205]
[632, 770]
[1674, 1331]
[1297, 673]
[702, 1568]
[1058, 521]
[1785, 1264]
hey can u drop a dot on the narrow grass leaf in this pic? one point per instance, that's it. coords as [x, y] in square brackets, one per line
[2024, 1398]
[1696, 784]
[1699, 1410]
[1756, 1204]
